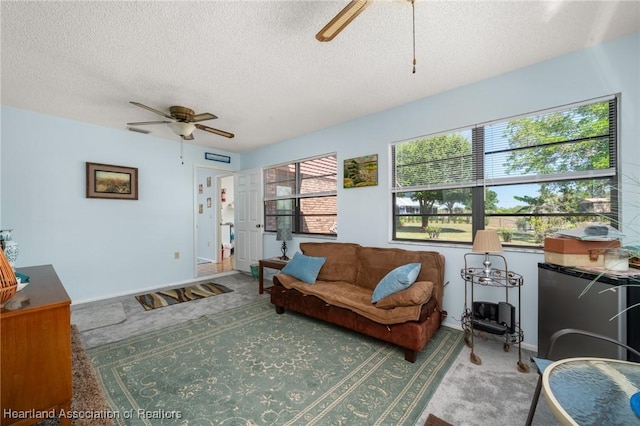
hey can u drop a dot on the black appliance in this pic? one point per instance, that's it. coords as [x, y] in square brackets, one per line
[561, 305]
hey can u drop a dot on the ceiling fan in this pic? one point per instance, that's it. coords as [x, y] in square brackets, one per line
[349, 13]
[182, 121]
[342, 19]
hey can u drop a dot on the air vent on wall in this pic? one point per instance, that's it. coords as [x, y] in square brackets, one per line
[137, 130]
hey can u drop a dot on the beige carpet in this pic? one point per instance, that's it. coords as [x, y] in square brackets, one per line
[87, 397]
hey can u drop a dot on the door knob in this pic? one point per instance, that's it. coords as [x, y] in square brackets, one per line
[259, 225]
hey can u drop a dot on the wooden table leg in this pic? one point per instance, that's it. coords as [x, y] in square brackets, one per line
[260, 278]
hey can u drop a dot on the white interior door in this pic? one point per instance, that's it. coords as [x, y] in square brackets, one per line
[248, 220]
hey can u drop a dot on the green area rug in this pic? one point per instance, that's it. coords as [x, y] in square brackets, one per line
[250, 366]
[163, 298]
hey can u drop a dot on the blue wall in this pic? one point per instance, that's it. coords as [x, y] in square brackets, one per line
[100, 248]
[103, 248]
[364, 214]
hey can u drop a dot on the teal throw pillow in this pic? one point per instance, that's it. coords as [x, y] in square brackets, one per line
[398, 279]
[304, 268]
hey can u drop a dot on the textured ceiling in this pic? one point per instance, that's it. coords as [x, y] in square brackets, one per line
[257, 64]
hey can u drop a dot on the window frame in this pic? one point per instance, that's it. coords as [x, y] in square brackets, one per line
[295, 215]
[478, 182]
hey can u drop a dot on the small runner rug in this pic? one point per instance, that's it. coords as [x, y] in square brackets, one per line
[164, 298]
[251, 366]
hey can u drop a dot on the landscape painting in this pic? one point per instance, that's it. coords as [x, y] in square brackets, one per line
[109, 181]
[361, 171]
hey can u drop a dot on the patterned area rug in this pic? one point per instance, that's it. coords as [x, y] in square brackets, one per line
[164, 298]
[251, 366]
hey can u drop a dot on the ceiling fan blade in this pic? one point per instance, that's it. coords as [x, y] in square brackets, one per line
[341, 20]
[215, 131]
[138, 104]
[203, 116]
[144, 123]
[187, 137]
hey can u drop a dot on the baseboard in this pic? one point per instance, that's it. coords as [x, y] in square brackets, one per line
[154, 288]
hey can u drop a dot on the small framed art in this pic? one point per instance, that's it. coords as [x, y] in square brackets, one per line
[361, 171]
[109, 181]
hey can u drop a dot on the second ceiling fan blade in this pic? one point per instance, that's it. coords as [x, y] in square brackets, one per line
[144, 123]
[203, 116]
[341, 20]
[148, 108]
[215, 131]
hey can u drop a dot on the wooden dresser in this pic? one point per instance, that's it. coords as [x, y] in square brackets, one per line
[35, 369]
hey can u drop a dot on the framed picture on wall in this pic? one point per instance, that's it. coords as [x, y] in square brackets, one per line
[109, 181]
[208, 181]
[209, 202]
[361, 171]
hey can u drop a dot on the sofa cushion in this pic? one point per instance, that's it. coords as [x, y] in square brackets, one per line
[340, 263]
[356, 299]
[417, 294]
[397, 279]
[305, 268]
[374, 263]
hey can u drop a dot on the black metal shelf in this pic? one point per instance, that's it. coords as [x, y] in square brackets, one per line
[473, 323]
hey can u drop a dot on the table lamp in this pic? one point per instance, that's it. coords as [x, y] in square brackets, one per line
[486, 242]
[283, 235]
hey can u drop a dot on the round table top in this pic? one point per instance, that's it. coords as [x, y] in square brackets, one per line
[592, 391]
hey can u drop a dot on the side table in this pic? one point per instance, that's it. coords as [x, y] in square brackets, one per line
[272, 263]
[592, 391]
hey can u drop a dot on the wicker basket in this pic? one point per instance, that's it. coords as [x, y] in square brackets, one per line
[8, 280]
[7, 293]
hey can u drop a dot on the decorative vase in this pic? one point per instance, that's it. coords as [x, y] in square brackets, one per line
[9, 247]
[8, 280]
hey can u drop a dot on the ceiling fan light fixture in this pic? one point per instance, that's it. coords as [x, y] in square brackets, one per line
[182, 129]
[341, 20]
[184, 121]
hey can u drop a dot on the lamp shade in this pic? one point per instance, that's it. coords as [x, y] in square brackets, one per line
[283, 235]
[487, 241]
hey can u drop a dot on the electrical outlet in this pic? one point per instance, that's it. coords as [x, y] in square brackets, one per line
[176, 255]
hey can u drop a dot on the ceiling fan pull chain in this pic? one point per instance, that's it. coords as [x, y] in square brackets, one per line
[413, 8]
[181, 151]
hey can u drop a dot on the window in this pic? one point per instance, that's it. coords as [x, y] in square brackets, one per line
[526, 177]
[301, 196]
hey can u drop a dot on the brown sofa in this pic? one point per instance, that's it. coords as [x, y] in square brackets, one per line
[342, 293]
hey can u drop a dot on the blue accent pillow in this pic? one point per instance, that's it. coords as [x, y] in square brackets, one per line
[398, 279]
[304, 268]
[635, 403]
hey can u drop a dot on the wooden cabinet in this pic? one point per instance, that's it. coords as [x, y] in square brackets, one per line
[35, 331]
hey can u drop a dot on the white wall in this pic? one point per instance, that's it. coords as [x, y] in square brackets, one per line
[228, 206]
[99, 248]
[208, 219]
[364, 214]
